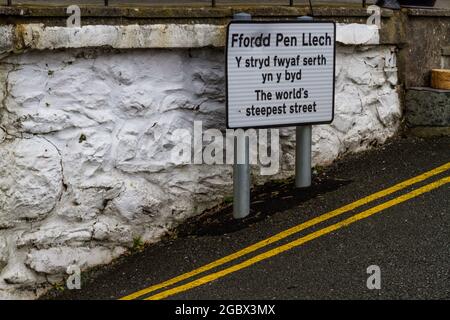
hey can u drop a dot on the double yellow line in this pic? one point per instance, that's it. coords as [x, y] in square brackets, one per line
[291, 231]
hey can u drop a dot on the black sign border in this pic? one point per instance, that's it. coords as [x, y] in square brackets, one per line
[274, 21]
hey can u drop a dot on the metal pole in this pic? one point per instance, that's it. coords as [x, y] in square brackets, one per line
[241, 178]
[241, 167]
[303, 156]
[303, 148]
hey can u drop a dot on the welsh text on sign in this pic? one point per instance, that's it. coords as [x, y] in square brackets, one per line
[280, 73]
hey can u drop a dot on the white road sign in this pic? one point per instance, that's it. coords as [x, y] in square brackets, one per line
[280, 73]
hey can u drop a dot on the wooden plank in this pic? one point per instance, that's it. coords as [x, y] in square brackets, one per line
[440, 79]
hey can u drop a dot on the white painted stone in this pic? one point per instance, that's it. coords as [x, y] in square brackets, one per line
[30, 179]
[4, 253]
[56, 232]
[357, 34]
[388, 109]
[16, 273]
[112, 230]
[86, 202]
[326, 145]
[56, 260]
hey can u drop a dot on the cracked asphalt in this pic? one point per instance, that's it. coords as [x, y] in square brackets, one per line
[409, 241]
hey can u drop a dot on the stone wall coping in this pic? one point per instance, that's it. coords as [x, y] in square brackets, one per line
[40, 37]
[193, 12]
[424, 12]
[428, 89]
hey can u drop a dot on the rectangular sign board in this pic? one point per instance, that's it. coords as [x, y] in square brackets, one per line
[280, 73]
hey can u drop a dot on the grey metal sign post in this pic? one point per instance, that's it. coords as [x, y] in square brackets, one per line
[303, 142]
[241, 167]
[303, 156]
[278, 74]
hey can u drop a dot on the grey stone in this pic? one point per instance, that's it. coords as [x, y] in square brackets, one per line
[446, 51]
[427, 107]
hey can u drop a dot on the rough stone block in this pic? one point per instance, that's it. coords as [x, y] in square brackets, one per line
[427, 107]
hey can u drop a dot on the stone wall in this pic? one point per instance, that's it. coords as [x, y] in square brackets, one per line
[85, 134]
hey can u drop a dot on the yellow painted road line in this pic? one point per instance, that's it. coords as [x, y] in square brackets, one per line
[291, 231]
[300, 241]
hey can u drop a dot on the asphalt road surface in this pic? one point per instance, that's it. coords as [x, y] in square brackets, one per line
[389, 207]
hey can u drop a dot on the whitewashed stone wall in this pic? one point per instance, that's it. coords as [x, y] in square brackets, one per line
[83, 172]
